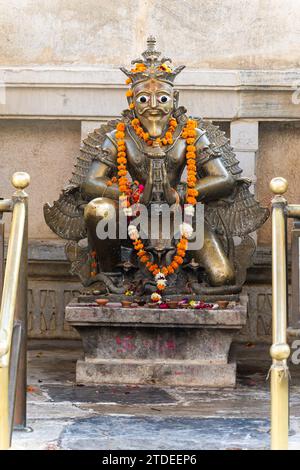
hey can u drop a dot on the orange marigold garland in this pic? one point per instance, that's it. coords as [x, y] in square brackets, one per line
[189, 134]
[166, 140]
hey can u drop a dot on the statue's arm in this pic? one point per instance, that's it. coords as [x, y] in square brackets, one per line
[216, 183]
[215, 180]
[95, 184]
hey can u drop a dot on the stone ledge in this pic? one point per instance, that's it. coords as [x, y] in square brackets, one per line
[171, 373]
[79, 314]
[108, 77]
[95, 93]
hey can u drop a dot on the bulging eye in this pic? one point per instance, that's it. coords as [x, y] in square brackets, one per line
[143, 99]
[164, 99]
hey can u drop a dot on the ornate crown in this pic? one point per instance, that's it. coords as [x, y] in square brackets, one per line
[151, 66]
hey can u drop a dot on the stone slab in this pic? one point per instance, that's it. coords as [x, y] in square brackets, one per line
[168, 373]
[155, 343]
[159, 433]
[235, 415]
[82, 314]
[108, 394]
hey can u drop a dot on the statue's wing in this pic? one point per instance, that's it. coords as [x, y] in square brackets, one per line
[65, 216]
[238, 214]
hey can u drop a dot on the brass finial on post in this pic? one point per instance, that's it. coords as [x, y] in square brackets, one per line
[20, 180]
[279, 185]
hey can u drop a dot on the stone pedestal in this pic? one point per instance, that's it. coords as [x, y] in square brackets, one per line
[152, 346]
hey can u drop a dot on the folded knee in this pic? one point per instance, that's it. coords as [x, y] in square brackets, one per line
[100, 208]
[221, 276]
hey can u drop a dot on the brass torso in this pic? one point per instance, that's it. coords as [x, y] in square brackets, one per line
[139, 160]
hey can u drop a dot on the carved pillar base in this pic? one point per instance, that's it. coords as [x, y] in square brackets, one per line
[150, 346]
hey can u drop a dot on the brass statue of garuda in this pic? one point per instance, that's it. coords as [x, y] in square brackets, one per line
[153, 143]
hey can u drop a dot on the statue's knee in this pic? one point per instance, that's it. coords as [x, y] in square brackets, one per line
[100, 208]
[222, 275]
[101, 220]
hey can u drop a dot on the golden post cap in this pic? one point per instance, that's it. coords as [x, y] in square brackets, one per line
[278, 185]
[20, 180]
[280, 351]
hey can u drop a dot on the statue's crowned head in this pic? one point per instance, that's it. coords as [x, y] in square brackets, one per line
[152, 94]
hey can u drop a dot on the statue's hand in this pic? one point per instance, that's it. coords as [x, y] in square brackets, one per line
[170, 194]
[147, 193]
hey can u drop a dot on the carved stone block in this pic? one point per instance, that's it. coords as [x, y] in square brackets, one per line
[153, 346]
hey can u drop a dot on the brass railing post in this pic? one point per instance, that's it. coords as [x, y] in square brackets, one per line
[1, 255]
[9, 296]
[280, 350]
[21, 317]
[4, 409]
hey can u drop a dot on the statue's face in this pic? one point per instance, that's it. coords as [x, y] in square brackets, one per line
[154, 103]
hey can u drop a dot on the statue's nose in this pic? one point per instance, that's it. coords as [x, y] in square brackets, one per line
[153, 101]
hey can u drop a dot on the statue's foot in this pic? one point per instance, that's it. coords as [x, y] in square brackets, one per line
[96, 288]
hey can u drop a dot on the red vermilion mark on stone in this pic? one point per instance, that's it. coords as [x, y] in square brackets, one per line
[128, 343]
[147, 343]
[170, 344]
[125, 343]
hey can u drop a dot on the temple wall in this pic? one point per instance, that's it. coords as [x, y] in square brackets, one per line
[59, 78]
[216, 33]
[278, 154]
[46, 150]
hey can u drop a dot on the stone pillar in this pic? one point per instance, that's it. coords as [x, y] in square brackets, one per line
[244, 140]
[88, 126]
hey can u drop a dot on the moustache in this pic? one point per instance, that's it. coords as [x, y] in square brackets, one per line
[158, 110]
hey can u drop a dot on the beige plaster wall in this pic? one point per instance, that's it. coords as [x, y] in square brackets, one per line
[279, 145]
[46, 150]
[200, 33]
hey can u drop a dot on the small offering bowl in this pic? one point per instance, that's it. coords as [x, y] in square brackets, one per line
[222, 303]
[102, 302]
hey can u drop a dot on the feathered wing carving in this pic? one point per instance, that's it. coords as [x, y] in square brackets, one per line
[239, 214]
[65, 216]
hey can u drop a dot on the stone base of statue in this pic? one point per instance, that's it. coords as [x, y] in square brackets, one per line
[143, 345]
